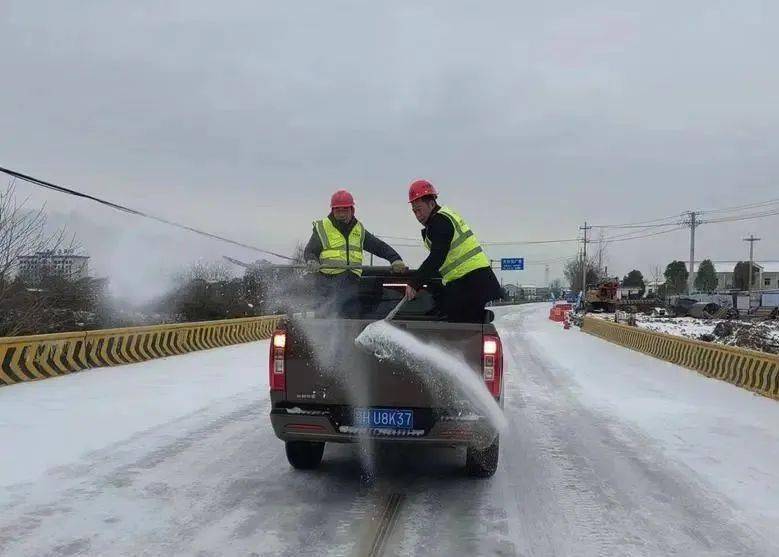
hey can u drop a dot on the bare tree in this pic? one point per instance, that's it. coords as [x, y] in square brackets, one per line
[573, 273]
[298, 256]
[208, 271]
[601, 255]
[23, 231]
[556, 286]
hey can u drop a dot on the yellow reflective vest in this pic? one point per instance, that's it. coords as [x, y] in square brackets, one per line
[337, 249]
[465, 253]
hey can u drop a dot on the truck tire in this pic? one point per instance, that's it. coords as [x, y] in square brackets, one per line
[304, 455]
[482, 463]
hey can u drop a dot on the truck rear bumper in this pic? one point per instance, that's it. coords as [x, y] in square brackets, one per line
[447, 431]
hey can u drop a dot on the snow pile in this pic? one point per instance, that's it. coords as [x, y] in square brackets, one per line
[755, 336]
[388, 342]
[680, 326]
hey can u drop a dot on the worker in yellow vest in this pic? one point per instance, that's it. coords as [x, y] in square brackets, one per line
[341, 239]
[455, 255]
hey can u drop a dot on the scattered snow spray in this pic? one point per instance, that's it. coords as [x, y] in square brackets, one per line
[328, 355]
[386, 341]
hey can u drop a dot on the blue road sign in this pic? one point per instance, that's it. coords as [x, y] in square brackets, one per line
[512, 264]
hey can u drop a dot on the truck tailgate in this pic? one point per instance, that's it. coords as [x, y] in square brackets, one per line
[325, 366]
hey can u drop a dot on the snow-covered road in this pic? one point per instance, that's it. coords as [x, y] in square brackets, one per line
[608, 452]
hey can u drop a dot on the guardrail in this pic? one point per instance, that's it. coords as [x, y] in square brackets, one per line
[28, 358]
[749, 369]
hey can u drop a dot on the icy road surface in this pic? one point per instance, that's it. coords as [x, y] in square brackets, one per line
[608, 452]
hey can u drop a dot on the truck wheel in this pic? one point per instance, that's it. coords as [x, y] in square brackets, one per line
[304, 455]
[482, 463]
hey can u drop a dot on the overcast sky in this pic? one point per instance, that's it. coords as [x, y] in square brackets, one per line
[243, 117]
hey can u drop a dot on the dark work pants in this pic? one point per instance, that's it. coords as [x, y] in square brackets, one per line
[464, 298]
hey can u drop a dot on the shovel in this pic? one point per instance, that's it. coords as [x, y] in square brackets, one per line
[254, 266]
[396, 309]
[362, 338]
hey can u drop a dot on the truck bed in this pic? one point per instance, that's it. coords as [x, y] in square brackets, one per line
[326, 367]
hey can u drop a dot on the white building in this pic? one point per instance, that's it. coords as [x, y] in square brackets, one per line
[512, 291]
[64, 263]
[767, 274]
[652, 287]
[528, 291]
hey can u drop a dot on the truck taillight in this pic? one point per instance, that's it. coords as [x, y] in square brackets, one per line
[492, 364]
[276, 364]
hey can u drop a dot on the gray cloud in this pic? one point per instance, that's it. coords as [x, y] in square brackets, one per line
[243, 118]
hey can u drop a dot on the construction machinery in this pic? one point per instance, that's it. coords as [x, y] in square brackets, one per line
[609, 296]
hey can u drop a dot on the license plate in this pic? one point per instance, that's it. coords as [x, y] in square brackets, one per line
[391, 418]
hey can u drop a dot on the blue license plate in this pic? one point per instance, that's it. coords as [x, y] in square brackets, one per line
[391, 418]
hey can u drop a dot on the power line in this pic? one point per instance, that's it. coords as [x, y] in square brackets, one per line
[530, 242]
[500, 243]
[660, 222]
[744, 217]
[636, 233]
[741, 207]
[136, 212]
[645, 223]
[647, 235]
[640, 226]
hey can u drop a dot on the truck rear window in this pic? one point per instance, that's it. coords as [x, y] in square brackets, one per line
[377, 297]
[370, 297]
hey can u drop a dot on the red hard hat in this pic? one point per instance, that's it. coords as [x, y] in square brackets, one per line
[420, 188]
[342, 198]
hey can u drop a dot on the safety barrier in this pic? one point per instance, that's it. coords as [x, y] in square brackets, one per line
[756, 371]
[28, 358]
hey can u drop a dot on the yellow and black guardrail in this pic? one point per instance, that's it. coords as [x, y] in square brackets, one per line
[28, 358]
[756, 371]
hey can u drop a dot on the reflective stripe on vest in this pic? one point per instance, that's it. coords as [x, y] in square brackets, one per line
[465, 253]
[336, 250]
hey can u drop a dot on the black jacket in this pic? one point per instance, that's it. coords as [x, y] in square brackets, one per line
[440, 231]
[371, 244]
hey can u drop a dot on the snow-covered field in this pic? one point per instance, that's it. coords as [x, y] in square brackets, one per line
[606, 452]
[762, 336]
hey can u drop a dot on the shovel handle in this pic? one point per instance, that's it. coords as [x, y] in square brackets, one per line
[396, 309]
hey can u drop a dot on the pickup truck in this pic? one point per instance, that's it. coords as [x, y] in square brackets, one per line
[325, 388]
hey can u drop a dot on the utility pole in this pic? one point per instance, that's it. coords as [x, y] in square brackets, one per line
[584, 257]
[693, 223]
[751, 241]
[546, 275]
[600, 254]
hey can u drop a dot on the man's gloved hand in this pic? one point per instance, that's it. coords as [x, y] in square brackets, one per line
[398, 266]
[312, 266]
